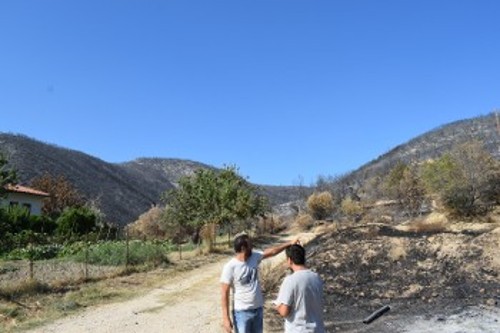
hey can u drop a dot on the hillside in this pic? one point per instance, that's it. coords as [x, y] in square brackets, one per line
[433, 143]
[126, 190]
[123, 191]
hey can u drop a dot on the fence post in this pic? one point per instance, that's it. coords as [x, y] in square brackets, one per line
[31, 255]
[127, 253]
[86, 258]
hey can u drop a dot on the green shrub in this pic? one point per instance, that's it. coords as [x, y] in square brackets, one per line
[76, 221]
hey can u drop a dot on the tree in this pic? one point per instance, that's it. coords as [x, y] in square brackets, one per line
[209, 196]
[465, 179]
[62, 194]
[7, 175]
[404, 185]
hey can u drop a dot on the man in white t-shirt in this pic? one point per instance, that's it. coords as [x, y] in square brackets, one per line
[300, 299]
[241, 274]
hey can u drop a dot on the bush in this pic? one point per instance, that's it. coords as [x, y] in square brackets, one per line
[76, 221]
[350, 207]
[149, 225]
[304, 221]
[320, 205]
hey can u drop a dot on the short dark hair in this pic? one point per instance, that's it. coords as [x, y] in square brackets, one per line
[297, 254]
[240, 242]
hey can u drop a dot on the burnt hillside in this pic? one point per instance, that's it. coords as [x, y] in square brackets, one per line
[123, 191]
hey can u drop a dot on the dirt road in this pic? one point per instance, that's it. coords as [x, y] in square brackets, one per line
[188, 302]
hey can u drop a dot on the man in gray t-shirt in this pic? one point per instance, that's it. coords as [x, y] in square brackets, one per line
[300, 299]
[241, 274]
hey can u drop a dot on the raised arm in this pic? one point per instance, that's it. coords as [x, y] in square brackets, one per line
[272, 251]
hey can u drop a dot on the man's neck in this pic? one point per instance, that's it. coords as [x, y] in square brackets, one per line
[296, 268]
[241, 256]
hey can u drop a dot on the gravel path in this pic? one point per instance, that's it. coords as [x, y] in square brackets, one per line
[189, 302]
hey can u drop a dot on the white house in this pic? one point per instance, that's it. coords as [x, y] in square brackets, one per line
[30, 198]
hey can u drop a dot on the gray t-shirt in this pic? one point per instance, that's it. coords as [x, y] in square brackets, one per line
[244, 278]
[302, 291]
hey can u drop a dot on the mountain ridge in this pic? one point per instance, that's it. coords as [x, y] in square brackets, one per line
[125, 190]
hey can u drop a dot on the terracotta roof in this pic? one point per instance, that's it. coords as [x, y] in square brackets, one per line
[24, 189]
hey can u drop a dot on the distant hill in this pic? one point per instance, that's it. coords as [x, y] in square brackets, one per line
[126, 190]
[434, 143]
[122, 191]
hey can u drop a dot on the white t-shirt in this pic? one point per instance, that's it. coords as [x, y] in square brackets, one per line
[244, 278]
[302, 291]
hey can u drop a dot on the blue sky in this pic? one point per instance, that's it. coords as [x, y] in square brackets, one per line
[286, 90]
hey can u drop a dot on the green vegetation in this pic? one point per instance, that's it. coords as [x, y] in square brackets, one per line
[210, 197]
[7, 175]
[466, 180]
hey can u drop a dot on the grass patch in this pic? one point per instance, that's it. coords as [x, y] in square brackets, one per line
[33, 304]
[28, 287]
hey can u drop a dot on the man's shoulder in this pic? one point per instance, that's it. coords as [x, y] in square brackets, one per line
[307, 274]
[231, 262]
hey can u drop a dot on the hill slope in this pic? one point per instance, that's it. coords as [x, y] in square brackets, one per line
[122, 191]
[433, 143]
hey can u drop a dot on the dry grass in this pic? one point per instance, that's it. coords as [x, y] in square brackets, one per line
[397, 250]
[271, 276]
[433, 223]
[31, 303]
[304, 221]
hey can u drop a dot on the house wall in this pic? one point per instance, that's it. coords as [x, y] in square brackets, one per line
[33, 202]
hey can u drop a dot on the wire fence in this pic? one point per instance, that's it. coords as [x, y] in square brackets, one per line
[56, 265]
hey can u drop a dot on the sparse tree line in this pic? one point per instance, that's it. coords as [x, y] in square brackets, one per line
[464, 182]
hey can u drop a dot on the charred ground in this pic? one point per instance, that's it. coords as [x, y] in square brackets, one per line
[440, 272]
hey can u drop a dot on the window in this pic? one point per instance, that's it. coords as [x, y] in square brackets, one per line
[27, 206]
